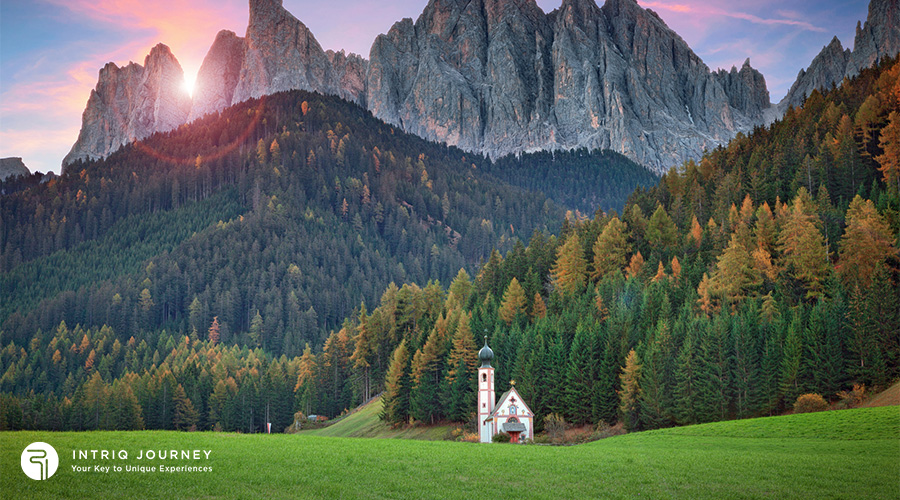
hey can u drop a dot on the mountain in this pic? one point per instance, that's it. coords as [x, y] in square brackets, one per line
[12, 167]
[278, 53]
[490, 76]
[500, 77]
[878, 38]
[131, 103]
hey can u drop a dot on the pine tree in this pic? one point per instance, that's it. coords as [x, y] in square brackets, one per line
[513, 304]
[611, 249]
[570, 270]
[803, 249]
[867, 242]
[634, 268]
[256, 330]
[655, 383]
[425, 397]
[889, 142]
[579, 387]
[397, 386]
[792, 360]
[686, 388]
[661, 231]
[185, 415]
[630, 392]
[214, 331]
[539, 309]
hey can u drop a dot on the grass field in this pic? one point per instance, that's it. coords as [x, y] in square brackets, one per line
[365, 422]
[839, 454]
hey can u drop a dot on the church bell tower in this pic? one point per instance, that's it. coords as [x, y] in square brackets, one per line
[486, 397]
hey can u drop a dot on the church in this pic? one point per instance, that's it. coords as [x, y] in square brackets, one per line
[510, 415]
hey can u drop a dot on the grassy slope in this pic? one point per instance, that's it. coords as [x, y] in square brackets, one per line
[888, 397]
[717, 461]
[365, 423]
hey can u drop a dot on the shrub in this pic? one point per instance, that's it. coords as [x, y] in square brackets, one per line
[500, 438]
[808, 403]
[605, 430]
[854, 398]
[555, 426]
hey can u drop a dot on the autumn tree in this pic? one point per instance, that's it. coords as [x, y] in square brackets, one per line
[630, 393]
[889, 142]
[611, 249]
[867, 242]
[214, 331]
[397, 387]
[514, 301]
[570, 269]
[803, 250]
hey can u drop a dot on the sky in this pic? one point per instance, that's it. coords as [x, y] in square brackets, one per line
[52, 50]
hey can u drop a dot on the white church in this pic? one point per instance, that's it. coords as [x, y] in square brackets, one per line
[510, 415]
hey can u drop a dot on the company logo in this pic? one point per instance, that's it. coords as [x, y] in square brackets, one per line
[39, 461]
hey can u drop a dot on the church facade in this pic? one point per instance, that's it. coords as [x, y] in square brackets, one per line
[510, 414]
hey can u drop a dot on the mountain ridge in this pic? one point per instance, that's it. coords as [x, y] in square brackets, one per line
[501, 77]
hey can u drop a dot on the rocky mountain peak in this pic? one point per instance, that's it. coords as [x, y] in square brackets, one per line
[219, 74]
[500, 76]
[12, 167]
[131, 103]
[877, 38]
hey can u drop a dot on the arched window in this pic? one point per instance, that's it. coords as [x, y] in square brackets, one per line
[484, 377]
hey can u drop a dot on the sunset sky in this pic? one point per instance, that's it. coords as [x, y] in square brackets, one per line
[51, 50]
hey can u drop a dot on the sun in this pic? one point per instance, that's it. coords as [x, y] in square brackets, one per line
[189, 82]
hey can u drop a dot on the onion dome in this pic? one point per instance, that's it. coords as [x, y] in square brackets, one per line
[485, 355]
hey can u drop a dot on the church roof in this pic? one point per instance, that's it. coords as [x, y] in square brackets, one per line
[503, 398]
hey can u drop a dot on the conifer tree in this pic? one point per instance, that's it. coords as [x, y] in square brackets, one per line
[867, 242]
[214, 331]
[514, 301]
[570, 270]
[580, 376]
[803, 249]
[539, 309]
[397, 386]
[630, 392]
[611, 249]
[686, 384]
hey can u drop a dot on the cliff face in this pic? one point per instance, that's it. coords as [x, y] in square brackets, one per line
[880, 37]
[218, 76]
[12, 167]
[282, 54]
[490, 76]
[278, 53]
[131, 103]
[500, 76]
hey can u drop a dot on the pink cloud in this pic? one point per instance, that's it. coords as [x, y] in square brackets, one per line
[704, 12]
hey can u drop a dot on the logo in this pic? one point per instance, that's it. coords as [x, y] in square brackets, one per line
[39, 461]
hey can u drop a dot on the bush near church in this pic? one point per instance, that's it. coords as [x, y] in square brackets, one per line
[808, 403]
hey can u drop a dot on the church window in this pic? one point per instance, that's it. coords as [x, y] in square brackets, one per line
[484, 377]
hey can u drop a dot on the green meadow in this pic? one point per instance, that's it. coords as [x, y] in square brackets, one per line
[838, 454]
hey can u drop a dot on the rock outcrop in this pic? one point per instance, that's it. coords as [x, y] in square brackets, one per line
[282, 54]
[500, 76]
[131, 103]
[219, 74]
[278, 53]
[880, 37]
[490, 76]
[12, 167]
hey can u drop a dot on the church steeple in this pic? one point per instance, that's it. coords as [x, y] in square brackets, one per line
[486, 396]
[485, 355]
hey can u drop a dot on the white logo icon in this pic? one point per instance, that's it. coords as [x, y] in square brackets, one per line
[39, 461]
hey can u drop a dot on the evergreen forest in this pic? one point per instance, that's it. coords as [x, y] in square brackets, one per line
[246, 267]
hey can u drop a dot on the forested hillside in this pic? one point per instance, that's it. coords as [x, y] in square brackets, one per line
[260, 228]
